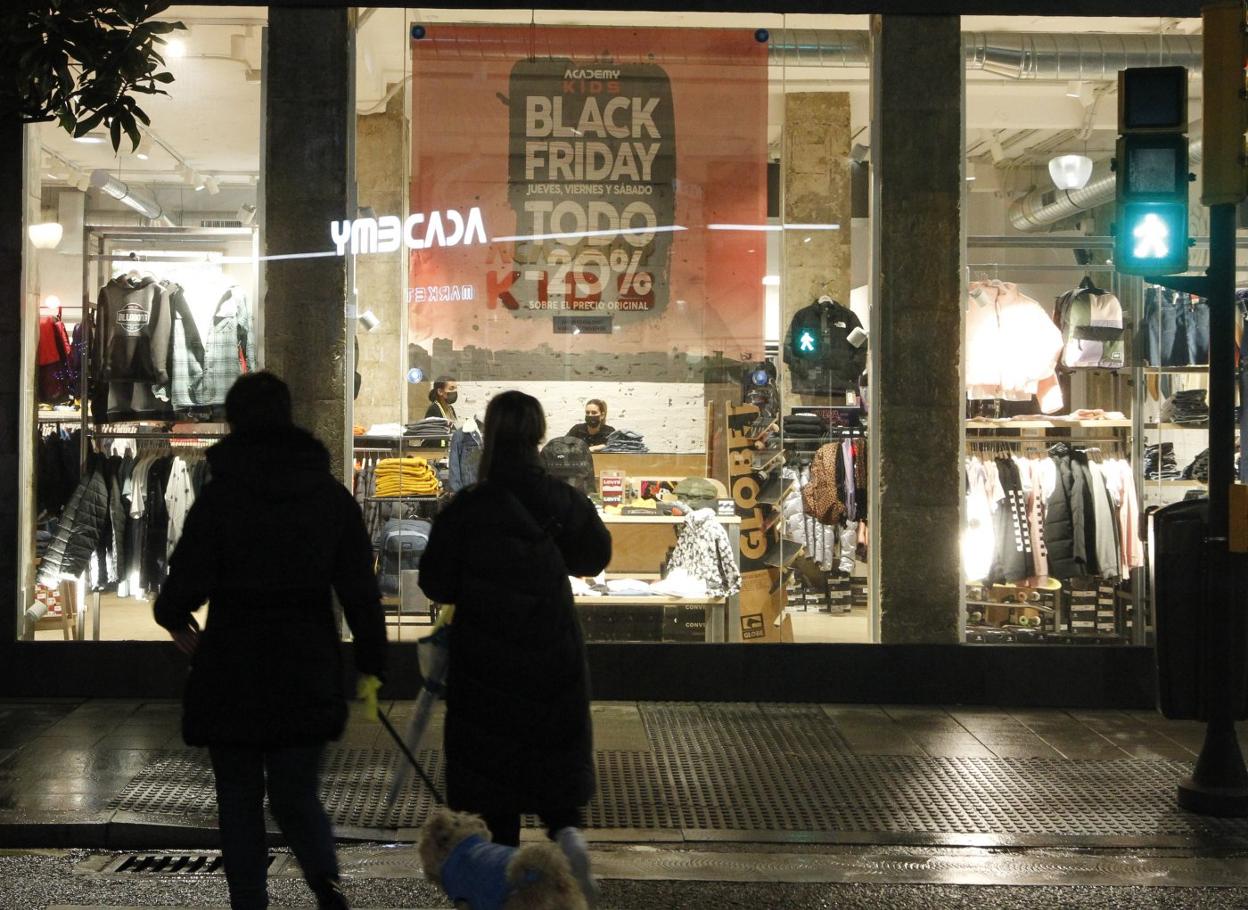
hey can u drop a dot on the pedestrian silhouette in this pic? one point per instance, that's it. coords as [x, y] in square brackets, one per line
[268, 539]
[517, 735]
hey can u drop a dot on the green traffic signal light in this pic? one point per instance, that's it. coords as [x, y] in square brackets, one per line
[807, 343]
[1151, 238]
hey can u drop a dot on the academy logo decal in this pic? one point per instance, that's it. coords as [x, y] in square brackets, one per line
[131, 319]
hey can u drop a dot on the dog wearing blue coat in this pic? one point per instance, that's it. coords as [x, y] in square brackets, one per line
[477, 874]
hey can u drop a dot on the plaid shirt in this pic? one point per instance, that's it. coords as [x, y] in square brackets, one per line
[230, 349]
[186, 354]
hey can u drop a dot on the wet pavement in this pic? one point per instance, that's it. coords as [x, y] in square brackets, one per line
[699, 806]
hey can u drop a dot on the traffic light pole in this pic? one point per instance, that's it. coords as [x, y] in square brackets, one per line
[1219, 784]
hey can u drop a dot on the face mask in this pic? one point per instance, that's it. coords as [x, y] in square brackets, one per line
[592, 421]
[452, 398]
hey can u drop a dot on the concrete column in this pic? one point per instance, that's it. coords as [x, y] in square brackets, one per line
[815, 175]
[916, 156]
[309, 125]
[381, 168]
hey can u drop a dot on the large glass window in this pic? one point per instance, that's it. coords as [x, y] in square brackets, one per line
[637, 222]
[1077, 421]
[142, 308]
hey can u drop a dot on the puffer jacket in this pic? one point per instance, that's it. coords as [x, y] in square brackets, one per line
[268, 539]
[1067, 516]
[85, 526]
[518, 736]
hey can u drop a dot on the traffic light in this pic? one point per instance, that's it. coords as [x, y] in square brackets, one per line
[1150, 227]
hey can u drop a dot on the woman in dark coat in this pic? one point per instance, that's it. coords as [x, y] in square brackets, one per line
[266, 541]
[518, 736]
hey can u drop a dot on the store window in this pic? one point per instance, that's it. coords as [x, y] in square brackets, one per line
[1085, 404]
[142, 307]
[638, 223]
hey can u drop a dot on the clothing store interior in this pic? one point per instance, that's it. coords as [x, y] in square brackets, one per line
[698, 327]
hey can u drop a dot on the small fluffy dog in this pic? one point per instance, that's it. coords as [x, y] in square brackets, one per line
[456, 852]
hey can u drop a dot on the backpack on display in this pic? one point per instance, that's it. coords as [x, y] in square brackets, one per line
[821, 495]
[568, 459]
[1092, 331]
[403, 543]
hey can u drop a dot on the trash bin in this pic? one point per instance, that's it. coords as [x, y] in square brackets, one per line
[1179, 570]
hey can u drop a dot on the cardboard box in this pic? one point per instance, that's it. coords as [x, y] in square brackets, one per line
[763, 616]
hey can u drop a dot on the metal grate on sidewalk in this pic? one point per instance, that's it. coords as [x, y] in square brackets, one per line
[783, 770]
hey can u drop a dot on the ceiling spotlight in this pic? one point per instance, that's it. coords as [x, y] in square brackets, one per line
[197, 181]
[144, 151]
[246, 214]
[210, 184]
[175, 47]
[1070, 172]
[859, 153]
[82, 181]
[369, 321]
[90, 139]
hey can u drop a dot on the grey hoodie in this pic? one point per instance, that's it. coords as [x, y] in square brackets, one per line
[132, 331]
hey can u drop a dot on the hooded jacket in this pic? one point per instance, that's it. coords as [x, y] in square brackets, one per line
[133, 330]
[817, 348]
[517, 736]
[268, 539]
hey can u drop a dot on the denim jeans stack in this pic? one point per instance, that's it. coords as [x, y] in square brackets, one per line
[1160, 463]
[1199, 468]
[1186, 407]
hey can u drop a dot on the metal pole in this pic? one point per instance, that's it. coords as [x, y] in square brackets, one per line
[1219, 784]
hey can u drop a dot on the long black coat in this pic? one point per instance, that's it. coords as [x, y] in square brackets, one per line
[265, 542]
[518, 736]
[1068, 523]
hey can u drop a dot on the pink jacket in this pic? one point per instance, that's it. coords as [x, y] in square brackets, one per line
[1012, 346]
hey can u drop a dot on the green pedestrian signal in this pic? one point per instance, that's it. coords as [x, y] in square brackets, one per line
[1151, 220]
[807, 343]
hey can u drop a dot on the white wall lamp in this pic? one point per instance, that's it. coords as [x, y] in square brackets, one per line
[46, 235]
[1070, 172]
[369, 321]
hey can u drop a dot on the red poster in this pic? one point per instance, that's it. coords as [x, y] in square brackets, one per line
[613, 170]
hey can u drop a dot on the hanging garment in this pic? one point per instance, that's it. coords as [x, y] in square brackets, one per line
[817, 349]
[821, 495]
[52, 356]
[1106, 533]
[465, 458]
[1042, 477]
[704, 552]
[230, 348]
[1012, 551]
[186, 352]
[1066, 517]
[179, 497]
[1128, 517]
[1012, 347]
[818, 539]
[133, 328]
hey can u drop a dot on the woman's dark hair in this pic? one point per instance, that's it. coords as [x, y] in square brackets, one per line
[258, 402]
[438, 385]
[514, 427]
[602, 406]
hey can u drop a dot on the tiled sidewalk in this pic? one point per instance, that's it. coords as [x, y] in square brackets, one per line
[667, 771]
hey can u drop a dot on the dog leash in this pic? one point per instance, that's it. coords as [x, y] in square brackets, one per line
[394, 734]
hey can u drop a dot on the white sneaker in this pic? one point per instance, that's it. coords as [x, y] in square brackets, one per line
[574, 846]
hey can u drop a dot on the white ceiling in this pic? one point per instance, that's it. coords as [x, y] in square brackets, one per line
[211, 120]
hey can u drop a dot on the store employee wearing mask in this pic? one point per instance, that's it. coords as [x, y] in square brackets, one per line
[595, 429]
[442, 398]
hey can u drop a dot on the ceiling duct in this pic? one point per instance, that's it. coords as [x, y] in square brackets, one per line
[1043, 208]
[1015, 55]
[142, 203]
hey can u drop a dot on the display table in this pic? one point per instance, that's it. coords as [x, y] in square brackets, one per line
[639, 546]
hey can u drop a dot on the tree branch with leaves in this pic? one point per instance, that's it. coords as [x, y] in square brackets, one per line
[82, 65]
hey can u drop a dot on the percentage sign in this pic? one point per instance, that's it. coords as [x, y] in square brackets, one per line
[642, 282]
